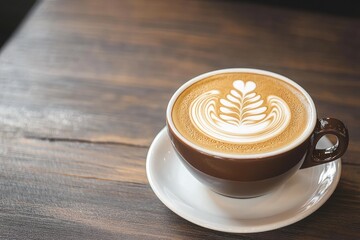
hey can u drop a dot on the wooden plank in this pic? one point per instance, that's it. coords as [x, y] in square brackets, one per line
[91, 191]
[135, 29]
[72, 108]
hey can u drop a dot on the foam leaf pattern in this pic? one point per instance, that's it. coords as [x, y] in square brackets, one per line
[241, 105]
[242, 116]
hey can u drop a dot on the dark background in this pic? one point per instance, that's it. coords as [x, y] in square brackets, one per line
[14, 11]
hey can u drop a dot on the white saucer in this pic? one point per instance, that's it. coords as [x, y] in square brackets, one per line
[300, 196]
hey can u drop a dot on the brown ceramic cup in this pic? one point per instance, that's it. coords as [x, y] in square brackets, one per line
[244, 176]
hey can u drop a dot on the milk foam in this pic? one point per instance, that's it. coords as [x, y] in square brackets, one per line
[241, 113]
[242, 117]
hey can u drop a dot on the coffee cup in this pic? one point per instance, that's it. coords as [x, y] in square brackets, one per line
[244, 132]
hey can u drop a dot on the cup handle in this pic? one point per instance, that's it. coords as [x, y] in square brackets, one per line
[319, 156]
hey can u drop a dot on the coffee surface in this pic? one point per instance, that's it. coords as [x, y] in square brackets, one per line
[243, 113]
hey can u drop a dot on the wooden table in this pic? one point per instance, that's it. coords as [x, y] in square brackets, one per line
[84, 86]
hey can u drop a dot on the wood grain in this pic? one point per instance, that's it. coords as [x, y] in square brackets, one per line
[92, 191]
[84, 88]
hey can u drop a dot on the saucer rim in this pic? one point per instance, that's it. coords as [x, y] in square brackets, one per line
[231, 229]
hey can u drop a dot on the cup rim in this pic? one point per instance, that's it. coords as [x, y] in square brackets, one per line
[305, 135]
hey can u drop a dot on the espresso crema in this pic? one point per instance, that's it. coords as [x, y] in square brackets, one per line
[244, 113]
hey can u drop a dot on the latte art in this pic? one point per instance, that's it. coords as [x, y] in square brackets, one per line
[241, 113]
[241, 117]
